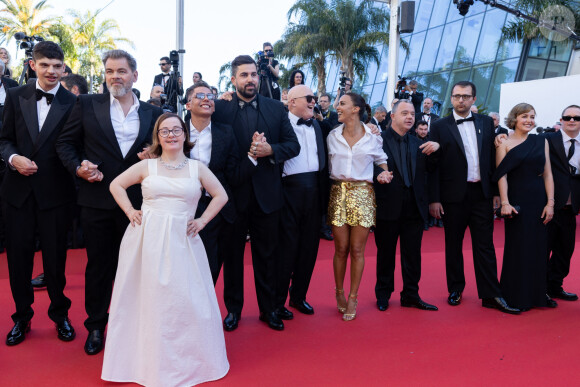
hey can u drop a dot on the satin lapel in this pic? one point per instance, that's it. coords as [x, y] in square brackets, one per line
[103, 113]
[478, 123]
[558, 144]
[319, 145]
[57, 111]
[216, 144]
[455, 133]
[389, 144]
[145, 115]
[30, 111]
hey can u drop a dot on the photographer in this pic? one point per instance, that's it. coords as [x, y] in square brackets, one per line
[409, 92]
[269, 71]
[345, 86]
[170, 80]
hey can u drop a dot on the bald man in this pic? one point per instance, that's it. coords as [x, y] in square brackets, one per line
[301, 180]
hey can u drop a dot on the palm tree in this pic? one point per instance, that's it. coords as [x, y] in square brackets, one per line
[23, 16]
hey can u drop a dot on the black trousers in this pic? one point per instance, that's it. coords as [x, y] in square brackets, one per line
[264, 239]
[561, 241]
[21, 226]
[103, 231]
[476, 212]
[211, 236]
[299, 236]
[409, 230]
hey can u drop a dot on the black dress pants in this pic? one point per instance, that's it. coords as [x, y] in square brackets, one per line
[561, 241]
[211, 238]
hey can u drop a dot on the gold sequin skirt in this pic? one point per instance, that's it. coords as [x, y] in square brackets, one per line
[352, 203]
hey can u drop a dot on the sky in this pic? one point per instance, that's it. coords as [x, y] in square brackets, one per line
[215, 31]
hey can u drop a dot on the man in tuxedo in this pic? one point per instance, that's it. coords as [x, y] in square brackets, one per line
[37, 190]
[410, 93]
[5, 83]
[461, 192]
[426, 115]
[102, 138]
[217, 148]
[402, 209]
[303, 184]
[379, 118]
[264, 133]
[565, 161]
[498, 129]
[172, 89]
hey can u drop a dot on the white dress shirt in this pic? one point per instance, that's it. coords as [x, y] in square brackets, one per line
[2, 94]
[126, 127]
[356, 163]
[307, 159]
[469, 138]
[203, 140]
[42, 107]
[575, 159]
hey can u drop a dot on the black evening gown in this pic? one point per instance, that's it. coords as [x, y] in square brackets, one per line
[523, 275]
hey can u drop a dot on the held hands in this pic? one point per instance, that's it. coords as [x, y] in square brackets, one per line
[436, 210]
[24, 166]
[430, 147]
[259, 146]
[385, 177]
[134, 216]
[89, 172]
[195, 226]
[548, 213]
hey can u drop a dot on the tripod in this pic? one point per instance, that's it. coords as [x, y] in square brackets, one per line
[172, 90]
[27, 72]
[264, 80]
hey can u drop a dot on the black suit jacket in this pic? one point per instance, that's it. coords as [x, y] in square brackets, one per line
[266, 181]
[390, 196]
[419, 117]
[89, 135]
[51, 185]
[565, 184]
[448, 179]
[501, 130]
[7, 83]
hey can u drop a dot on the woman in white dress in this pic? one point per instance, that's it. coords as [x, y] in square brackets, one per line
[165, 325]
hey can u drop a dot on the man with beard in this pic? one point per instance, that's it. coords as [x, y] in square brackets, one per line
[264, 133]
[102, 138]
[426, 115]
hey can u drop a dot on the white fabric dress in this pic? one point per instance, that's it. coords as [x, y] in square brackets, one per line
[165, 325]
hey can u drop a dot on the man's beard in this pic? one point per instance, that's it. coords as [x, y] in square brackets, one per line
[247, 94]
[118, 90]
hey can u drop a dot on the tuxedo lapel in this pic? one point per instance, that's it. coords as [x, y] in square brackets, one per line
[319, 145]
[263, 112]
[454, 130]
[217, 143]
[103, 113]
[58, 109]
[145, 115]
[558, 144]
[30, 111]
[478, 123]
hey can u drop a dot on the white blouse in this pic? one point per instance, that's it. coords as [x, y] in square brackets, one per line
[356, 163]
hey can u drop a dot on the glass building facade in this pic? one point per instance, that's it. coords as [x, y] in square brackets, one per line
[446, 47]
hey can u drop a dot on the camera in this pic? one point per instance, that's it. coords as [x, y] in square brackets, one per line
[172, 90]
[400, 91]
[317, 109]
[540, 130]
[342, 81]
[27, 42]
[264, 60]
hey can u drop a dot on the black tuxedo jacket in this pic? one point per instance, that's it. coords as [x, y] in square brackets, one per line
[419, 117]
[7, 83]
[266, 180]
[565, 184]
[448, 178]
[51, 185]
[390, 196]
[89, 135]
[226, 164]
[501, 130]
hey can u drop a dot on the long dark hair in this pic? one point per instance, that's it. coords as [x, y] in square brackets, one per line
[293, 74]
[358, 100]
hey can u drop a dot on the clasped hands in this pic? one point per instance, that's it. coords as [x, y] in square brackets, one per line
[24, 165]
[259, 146]
[385, 177]
[89, 171]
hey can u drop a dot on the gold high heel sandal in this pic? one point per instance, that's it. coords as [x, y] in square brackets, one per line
[340, 297]
[351, 316]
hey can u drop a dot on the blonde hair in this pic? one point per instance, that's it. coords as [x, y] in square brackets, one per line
[517, 110]
[155, 148]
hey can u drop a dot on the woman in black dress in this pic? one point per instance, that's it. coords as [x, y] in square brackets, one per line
[297, 77]
[525, 179]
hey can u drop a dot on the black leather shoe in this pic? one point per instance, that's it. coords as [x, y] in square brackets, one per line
[302, 306]
[440, 223]
[231, 321]
[563, 295]
[326, 234]
[272, 320]
[416, 303]
[383, 305]
[499, 303]
[94, 343]
[65, 330]
[284, 313]
[16, 335]
[551, 303]
[38, 282]
[454, 298]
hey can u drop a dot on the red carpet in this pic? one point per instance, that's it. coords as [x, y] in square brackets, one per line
[457, 346]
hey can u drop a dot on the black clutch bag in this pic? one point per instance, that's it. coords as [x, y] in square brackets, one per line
[499, 215]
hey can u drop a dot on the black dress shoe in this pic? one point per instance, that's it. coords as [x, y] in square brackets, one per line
[39, 281]
[284, 313]
[383, 305]
[16, 335]
[231, 321]
[94, 343]
[272, 320]
[454, 298]
[499, 303]
[65, 330]
[302, 306]
[563, 295]
[326, 234]
[551, 303]
[416, 303]
[440, 223]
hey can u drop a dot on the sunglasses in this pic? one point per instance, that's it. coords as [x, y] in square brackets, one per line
[570, 118]
[163, 64]
[209, 96]
[309, 98]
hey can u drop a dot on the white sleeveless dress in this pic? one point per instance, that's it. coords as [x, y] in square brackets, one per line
[165, 325]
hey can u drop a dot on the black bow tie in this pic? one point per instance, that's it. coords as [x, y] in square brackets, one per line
[307, 122]
[49, 97]
[253, 104]
[462, 120]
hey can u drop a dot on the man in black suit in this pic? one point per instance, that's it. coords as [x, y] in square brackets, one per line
[5, 83]
[426, 114]
[402, 209]
[37, 190]
[410, 93]
[102, 138]
[217, 148]
[565, 161]
[263, 133]
[303, 183]
[461, 191]
[498, 129]
[379, 118]
[171, 88]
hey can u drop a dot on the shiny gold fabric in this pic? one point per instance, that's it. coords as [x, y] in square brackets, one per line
[352, 203]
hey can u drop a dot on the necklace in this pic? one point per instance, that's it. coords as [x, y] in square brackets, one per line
[171, 166]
